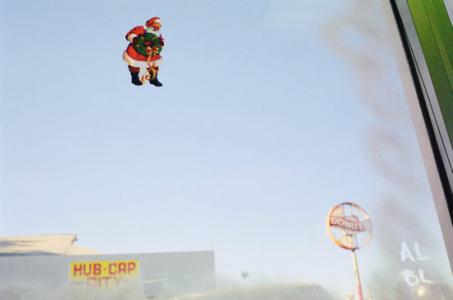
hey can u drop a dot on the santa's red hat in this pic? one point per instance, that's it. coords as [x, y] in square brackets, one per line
[153, 20]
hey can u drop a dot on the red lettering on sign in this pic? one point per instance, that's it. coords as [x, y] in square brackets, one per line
[97, 269]
[122, 268]
[106, 281]
[117, 279]
[112, 269]
[102, 281]
[92, 281]
[77, 269]
[131, 267]
[87, 271]
[348, 223]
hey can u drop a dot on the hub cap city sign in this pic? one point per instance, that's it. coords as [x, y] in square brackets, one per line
[349, 226]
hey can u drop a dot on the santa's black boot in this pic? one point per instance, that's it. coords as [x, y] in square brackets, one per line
[135, 79]
[134, 75]
[154, 71]
[155, 82]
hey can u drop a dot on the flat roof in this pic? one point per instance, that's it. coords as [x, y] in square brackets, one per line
[51, 244]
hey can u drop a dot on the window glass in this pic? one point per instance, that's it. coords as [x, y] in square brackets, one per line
[218, 184]
[449, 6]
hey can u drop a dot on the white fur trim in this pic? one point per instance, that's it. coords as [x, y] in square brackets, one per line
[139, 63]
[143, 65]
[130, 37]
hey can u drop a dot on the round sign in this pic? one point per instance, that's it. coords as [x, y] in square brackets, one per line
[349, 226]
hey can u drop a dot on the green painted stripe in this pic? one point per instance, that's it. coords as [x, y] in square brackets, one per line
[435, 32]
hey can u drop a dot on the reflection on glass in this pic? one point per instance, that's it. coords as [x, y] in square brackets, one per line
[449, 6]
[217, 185]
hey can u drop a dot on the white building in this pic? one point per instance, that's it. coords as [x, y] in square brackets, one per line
[54, 267]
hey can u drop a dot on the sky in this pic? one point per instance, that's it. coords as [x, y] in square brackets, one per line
[449, 6]
[262, 126]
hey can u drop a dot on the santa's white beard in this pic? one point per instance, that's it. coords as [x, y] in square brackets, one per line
[151, 30]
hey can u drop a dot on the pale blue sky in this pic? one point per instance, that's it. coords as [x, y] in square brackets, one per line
[258, 130]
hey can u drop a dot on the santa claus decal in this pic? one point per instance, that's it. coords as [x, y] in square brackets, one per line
[143, 53]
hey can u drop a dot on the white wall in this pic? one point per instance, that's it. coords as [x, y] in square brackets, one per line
[160, 273]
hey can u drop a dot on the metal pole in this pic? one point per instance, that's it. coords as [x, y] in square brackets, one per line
[357, 275]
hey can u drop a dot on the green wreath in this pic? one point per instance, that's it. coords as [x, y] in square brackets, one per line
[143, 41]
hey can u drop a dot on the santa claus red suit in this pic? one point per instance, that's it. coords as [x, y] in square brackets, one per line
[143, 53]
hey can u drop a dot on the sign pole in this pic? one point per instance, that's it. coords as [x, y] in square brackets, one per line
[357, 275]
[349, 227]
